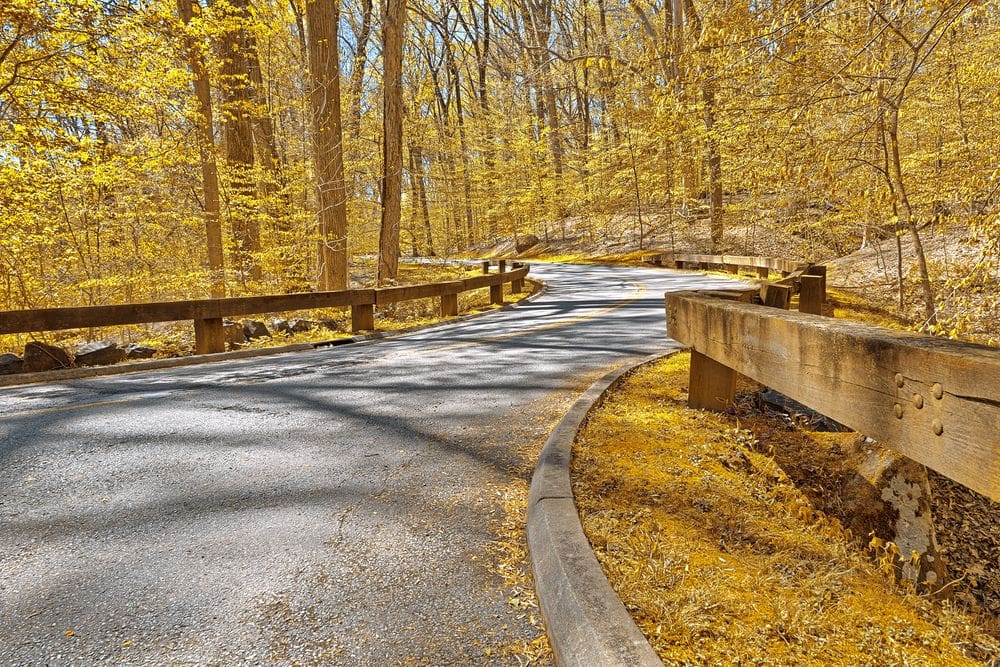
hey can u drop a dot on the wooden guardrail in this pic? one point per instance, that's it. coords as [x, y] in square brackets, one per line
[208, 314]
[935, 401]
[731, 263]
[806, 279]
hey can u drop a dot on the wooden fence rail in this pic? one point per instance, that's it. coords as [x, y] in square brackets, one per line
[208, 314]
[806, 279]
[727, 262]
[935, 401]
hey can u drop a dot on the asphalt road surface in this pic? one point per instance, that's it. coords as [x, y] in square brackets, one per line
[324, 507]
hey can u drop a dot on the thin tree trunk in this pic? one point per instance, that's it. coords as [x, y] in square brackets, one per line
[896, 174]
[265, 144]
[358, 68]
[393, 25]
[463, 144]
[323, 18]
[417, 168]
[206, 148]
[717, 225]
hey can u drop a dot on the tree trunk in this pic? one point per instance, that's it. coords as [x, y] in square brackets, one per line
[206, 148]
[238, 97]
[393, 25]
[323, 18]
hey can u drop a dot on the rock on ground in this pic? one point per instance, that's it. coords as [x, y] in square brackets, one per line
[234, 334]
[44, 357]
[99, 353]
[135, 351]
[10, 364]
[255, 329]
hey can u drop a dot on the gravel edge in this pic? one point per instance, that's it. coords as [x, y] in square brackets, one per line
[176, 362]
[585, 620]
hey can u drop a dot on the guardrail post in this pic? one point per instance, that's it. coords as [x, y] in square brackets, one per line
[503, 265]
[496, 293]
[449, 305]
[209, 336]
[486, 266]
[819, 270]
[811, 295]
[711, 386]
[517, 286]
[763, 272]
[362, 317]
[732, 268]
[776, 296]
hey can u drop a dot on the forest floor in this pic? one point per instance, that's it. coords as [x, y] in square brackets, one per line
[176, 339]
[714, 531]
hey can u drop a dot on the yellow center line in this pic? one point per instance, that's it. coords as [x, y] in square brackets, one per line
[640, 291]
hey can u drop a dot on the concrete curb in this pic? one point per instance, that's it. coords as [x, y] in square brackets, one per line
[177, 362]
[585, 620]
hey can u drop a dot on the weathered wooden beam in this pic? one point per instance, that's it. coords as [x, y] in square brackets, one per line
[763, 272]
[502, 265]
[388, 295]
[449, 305]
[209, 336]
[711, 385]
[496, 293]
[811, 295]
[818, 270]
[936, 401]
[772, 263]
[55, 319]
[362, 317]
[774, 295]
[517, 286]
[486, 266]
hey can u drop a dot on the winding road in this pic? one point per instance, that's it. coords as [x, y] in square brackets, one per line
[335, 506]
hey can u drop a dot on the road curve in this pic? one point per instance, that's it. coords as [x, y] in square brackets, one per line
[323, 507]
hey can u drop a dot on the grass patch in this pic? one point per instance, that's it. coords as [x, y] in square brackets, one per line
[721, 559]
